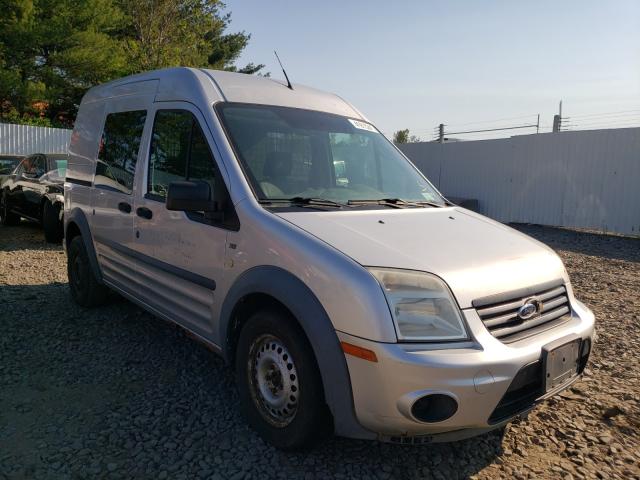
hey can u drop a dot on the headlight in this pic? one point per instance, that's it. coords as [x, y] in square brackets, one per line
[422, 306]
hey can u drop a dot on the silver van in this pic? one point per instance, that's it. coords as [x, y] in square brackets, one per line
[279, 226]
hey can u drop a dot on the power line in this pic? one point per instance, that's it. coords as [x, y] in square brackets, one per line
[492, 121]
[491, 129]
[603, 127]
[598, 120]
[607, 122]
[623, 112]
[618, 119]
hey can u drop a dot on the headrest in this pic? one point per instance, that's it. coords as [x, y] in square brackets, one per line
[277, 165]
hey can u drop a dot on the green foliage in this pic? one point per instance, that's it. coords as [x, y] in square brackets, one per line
[52, 51]
[12, 116]
[401, 136]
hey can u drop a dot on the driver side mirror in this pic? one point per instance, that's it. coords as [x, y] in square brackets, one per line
[193, 196]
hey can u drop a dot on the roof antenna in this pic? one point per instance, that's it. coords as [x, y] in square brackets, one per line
[283, 71]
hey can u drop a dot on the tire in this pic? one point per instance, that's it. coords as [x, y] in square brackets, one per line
[51, 222]
[85, 288]
[7, 218]
[279, 383]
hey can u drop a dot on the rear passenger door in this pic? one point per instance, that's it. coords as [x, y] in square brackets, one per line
[112, 219]
[181, 254]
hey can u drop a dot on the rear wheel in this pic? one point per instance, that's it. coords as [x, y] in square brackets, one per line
[279, 382]
[7, 217]
[52, 223]
[85, 288]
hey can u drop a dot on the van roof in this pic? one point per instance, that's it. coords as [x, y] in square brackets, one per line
[198, 85]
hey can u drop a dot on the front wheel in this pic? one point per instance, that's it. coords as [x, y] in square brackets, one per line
[279, 383]
[85, 288]
[52, 222]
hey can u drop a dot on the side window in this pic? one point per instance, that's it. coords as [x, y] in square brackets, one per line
[118, 151]
[32, 166]
[24, 164]
[39, 166]
[201, 163]
[179, 151]
[169, 150]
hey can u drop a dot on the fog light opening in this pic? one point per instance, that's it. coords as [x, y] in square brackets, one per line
[434, 408]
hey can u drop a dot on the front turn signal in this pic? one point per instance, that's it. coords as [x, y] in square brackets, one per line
[359, 352]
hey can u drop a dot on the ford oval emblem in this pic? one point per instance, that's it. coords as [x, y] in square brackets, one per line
[531, 307]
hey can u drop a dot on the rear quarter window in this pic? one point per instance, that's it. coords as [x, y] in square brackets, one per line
[118, 151]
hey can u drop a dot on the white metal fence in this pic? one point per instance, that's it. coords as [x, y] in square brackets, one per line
[585, 179]
[25, 140]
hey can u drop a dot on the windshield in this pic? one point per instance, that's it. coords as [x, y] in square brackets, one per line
[291, 153]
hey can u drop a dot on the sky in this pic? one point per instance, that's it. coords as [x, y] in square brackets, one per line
[467, 64]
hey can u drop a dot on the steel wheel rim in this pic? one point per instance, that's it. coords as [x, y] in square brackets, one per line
[273, 380]
[79, 273]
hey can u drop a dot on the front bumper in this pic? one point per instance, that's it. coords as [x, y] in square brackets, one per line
[477, 374]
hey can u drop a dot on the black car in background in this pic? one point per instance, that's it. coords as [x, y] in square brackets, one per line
[34, 191]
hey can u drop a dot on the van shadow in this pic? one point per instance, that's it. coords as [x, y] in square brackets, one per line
[114, 385]
[613, 247]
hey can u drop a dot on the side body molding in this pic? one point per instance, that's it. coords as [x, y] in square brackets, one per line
[303, 304]
[78, 217]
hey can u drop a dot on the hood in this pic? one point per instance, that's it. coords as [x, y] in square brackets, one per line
[52, 180]
[476, 256]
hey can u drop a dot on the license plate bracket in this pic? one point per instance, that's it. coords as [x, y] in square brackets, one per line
[560, 361]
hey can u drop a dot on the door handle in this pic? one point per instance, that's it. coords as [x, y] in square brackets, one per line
[124, 207]
[144, 212]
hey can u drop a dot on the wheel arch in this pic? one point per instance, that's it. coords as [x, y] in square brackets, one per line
[264, 286]
[53, 199]
[75, 223]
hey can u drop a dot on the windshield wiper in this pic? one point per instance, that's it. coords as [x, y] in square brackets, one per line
[304, 201]
[431, 204]
[391, 202]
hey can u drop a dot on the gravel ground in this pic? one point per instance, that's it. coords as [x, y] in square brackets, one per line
[116, 393]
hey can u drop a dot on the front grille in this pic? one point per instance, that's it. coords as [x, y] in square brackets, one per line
[500, 313]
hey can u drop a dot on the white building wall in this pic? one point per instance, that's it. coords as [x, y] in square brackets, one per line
[25, 139]
[585, 179]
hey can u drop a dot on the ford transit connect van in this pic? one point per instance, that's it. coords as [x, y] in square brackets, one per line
[283, 229]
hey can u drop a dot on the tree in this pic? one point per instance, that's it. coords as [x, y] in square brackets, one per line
[165, 33]
[52, 51]
[401, 136]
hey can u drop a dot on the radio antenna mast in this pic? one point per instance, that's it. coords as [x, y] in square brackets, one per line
[283, 71]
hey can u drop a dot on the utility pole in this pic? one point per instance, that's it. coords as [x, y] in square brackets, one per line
[441, 133]
[557, 119]
[538, 124]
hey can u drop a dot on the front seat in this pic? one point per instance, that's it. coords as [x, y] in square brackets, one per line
[276, 171]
